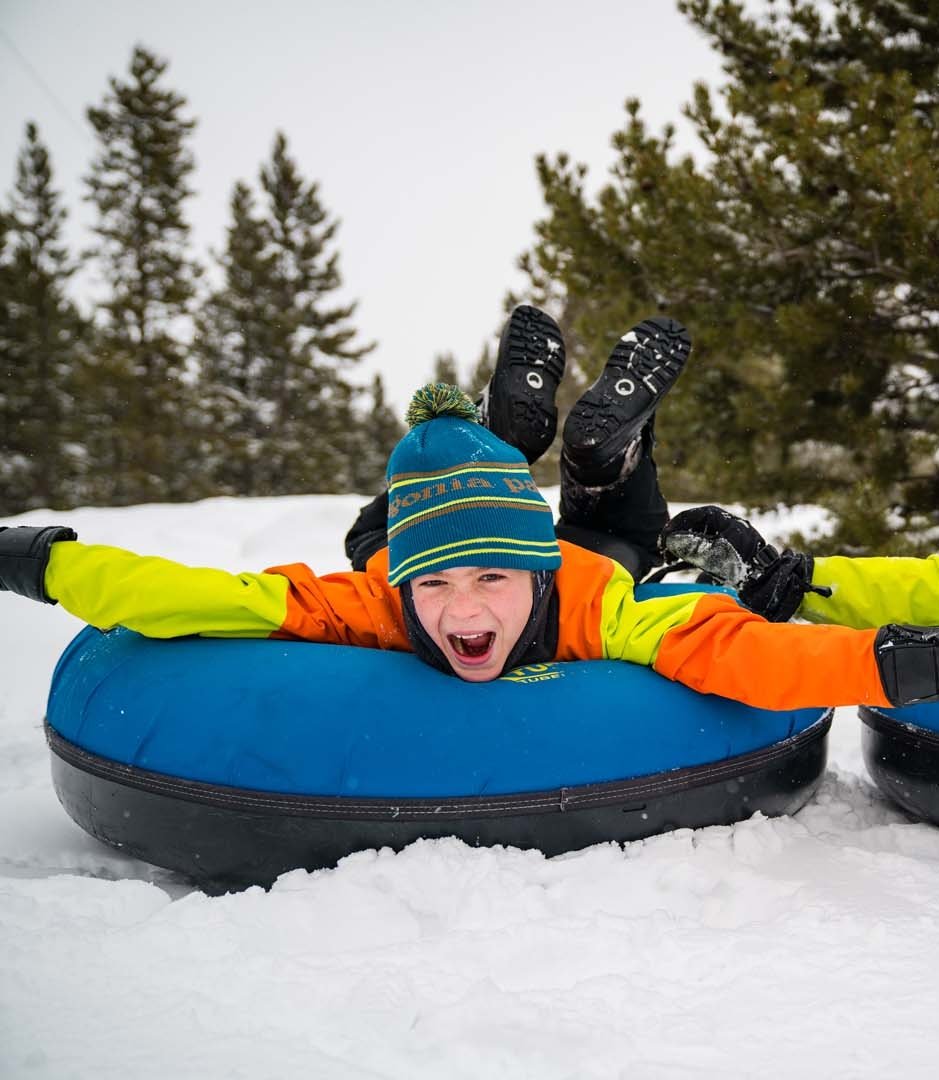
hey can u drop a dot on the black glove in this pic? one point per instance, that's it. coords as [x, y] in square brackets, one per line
[776, 590]
[908, 661]
[731, 551]
[24, 556]
[715, 541]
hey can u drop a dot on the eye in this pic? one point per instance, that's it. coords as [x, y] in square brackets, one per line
[492, 575]
[429, 583]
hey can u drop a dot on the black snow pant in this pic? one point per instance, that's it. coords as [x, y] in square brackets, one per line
[622, 520]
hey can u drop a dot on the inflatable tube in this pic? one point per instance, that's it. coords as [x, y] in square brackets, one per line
[233, 761]
[901, 752]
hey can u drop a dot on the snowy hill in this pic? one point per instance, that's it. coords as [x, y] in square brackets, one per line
[803, 946]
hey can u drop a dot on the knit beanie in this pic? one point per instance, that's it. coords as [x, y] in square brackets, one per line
[460, 496]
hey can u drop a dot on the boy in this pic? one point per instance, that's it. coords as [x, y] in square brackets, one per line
[473, 578]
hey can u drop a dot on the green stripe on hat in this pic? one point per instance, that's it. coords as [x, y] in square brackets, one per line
[400, 480]
[482, 548]
[456, 505]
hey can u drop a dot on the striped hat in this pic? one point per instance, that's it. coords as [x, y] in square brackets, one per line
[460, 496]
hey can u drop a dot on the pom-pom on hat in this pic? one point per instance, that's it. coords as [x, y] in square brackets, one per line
[460, 496]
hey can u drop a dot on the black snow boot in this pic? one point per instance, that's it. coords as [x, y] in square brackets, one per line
[518, 403]
[606, 422]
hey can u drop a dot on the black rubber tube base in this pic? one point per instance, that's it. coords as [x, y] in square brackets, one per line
[903, 761]
[226, 838]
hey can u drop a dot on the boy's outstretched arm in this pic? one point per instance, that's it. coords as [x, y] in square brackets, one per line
[107, 587]
[711, 644]
[707, 641]
[724, 650]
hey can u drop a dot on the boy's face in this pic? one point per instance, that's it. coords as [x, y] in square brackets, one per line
[474, 615]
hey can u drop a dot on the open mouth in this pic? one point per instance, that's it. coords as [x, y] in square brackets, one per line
[472, 647]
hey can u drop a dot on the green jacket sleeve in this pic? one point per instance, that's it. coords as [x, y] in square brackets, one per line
[107, 587]
[872, 592]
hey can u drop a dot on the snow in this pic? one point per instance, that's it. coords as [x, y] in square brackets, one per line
[795, 946]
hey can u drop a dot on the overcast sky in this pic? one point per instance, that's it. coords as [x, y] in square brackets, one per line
[420, 120]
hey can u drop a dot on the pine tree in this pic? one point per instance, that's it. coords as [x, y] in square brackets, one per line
[237, 331]
[446, 369]
[803, 253]
[142, 408]
[482, 372]
[40, 341]
[373, 439]
[277, 350]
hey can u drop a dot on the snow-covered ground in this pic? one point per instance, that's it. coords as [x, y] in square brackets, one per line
[804, 946]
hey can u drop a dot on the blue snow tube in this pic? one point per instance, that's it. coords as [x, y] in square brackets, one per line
[233, 761]
[901, 752]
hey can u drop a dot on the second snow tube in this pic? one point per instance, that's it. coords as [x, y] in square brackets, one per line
[901, 752]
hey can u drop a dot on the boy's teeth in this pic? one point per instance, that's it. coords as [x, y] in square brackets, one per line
[471, 644]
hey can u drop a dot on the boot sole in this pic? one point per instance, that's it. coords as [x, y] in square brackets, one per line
[641, 370]
[529, 368]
